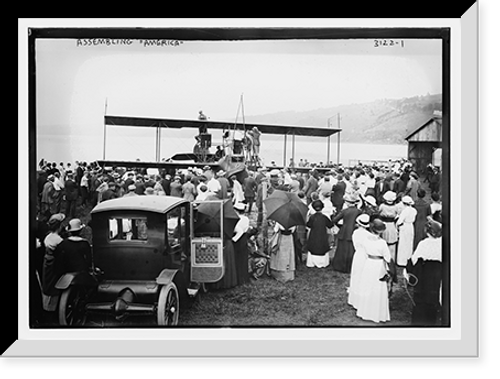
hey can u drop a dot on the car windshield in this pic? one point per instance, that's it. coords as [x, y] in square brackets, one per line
[128, 229]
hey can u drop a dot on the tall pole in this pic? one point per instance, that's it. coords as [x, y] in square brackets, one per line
[159, 143]
[284, 151]
[338, 138]
[104, 139]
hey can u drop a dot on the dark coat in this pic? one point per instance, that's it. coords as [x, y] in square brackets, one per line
[338, 192]
[317, 243]
[71, 190]
[249, 187]
[381, 187]
[399, 186]
[71, 255]
[423, 210]
[310, 186]
[165, 183]
[349, 216]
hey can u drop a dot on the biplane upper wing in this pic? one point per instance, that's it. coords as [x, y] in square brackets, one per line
[182, 123]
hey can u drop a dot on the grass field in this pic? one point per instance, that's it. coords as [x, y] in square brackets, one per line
[317, 297]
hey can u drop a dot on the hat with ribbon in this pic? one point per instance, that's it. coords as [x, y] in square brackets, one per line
[363, 220]
[390, 196]
[75, 225]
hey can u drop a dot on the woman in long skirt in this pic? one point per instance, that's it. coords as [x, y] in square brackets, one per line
[282, 262]
[230, 278]
[373, 300]
[426, 266]
[342, 260]
[240, 239]
[406, 231]
[423, 211]
[359, 237]
[317, 243]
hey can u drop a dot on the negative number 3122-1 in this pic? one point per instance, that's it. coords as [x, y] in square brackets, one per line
[388, 42]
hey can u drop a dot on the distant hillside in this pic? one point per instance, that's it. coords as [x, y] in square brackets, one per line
[382, 121]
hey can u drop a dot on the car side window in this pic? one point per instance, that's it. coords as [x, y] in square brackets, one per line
[173, 227]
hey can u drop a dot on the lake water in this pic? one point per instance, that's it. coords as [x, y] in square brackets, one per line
[125, 147]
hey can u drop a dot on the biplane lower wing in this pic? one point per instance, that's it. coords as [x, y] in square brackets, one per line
[158, 165]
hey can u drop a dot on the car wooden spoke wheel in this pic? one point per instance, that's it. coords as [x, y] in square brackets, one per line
[72, 306]
[168, 305]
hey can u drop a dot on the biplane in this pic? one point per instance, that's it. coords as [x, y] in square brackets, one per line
[239, 148]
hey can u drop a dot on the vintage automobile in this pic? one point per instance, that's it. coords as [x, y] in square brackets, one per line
[150, 254]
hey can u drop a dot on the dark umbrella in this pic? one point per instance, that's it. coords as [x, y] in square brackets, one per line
[286, 208]
[209, 218]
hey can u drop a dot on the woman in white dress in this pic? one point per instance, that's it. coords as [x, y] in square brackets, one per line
[406, 231]
[359, 237]
[388, 212]
[373, 300]
[282, 261]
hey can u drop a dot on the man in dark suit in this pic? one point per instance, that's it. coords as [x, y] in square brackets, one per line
[71, 192]
[399, 185]
[311, 185]
[338, 192]
[382, 186]
[249, 190]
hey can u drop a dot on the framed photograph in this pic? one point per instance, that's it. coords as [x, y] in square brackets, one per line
[256, 188]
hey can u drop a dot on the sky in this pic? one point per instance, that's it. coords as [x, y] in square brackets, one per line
[78, 82]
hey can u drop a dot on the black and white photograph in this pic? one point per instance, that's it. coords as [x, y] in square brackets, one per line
[239, 178]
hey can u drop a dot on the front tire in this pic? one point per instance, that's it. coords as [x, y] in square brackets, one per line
[168, 305]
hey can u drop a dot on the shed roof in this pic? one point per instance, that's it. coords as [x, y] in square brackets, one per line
[435, 118]
[158, 204]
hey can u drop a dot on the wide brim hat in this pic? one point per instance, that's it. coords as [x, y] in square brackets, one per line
[239, 206]
[75, 225]
[363, 220]
[378, 225]
[370, 200]
[407, 200]
[390, 196]
[434, 228]
[55, 218]
[317, 205]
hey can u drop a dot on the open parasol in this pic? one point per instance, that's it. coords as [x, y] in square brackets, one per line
[286, 208]
[208, 220]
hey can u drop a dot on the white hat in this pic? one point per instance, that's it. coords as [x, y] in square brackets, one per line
[363, 220]
[239, 206]
[390, 196]
[55, 218]
[75, 225]
[407, 200]
[370, 200]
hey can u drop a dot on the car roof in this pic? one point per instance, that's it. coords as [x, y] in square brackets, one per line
[158, 204]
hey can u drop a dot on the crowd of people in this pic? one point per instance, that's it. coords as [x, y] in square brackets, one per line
[370, 218]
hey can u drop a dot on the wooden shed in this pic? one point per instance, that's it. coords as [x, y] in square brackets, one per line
[424, 142]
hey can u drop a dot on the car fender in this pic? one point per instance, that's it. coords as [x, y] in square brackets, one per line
[75, 278]
[166, 276]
